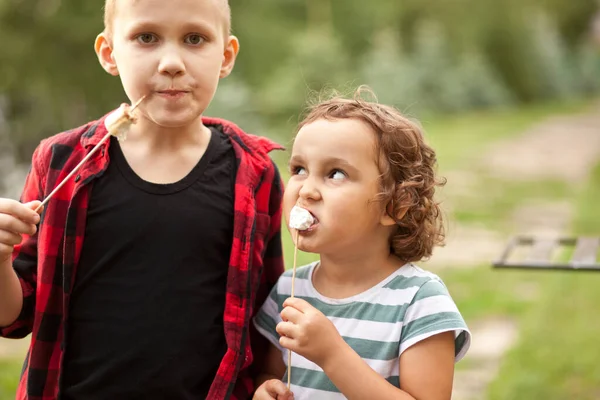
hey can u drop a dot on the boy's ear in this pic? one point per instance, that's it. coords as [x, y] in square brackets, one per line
[232, 47]
[104, 52]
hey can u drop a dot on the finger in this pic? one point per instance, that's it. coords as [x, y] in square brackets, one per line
[14, 225]
[291, 314]
[9, 238]
[5, 252]
[297, 303]
[276, 388]
[33, 205]
[18, 210]
[262, 394]
[288, 329]
[287, 396]
[288, 343]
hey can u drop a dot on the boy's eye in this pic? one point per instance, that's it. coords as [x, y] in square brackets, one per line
[146, 38]
[337, 175]
[194, 39]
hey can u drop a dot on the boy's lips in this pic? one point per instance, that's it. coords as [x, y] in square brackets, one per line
[172, 92]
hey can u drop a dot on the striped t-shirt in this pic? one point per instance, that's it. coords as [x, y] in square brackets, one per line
[408, 306]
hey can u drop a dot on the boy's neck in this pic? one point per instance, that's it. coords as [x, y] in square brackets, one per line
[161, 138]
[164, 156]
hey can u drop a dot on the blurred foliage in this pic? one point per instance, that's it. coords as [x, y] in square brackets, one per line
[424, 56]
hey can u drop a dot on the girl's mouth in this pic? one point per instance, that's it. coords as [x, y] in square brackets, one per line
[313, 226]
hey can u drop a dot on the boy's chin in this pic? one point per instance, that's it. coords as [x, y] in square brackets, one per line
[175, 121]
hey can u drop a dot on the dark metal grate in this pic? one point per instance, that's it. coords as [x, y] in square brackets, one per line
[551, 253]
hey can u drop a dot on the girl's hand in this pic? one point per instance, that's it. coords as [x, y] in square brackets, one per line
[308, 332]
[273, 389]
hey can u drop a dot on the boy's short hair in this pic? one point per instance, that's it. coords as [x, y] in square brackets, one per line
[408, 170]
[110, 7]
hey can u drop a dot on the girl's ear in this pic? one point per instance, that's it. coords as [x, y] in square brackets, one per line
[388, 214]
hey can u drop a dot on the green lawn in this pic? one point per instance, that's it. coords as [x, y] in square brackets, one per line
[555, 358]
[558, 354]
[458, 140]
[10, 370]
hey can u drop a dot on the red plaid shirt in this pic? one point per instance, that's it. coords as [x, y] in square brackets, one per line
[46, 262]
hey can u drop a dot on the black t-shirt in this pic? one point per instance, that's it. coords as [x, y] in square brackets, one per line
[146, 313]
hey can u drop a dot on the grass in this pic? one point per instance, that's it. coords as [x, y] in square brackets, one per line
[10, 371]
[554, 357]
[536, 300]
[494, 206]
[458, 140]
[557, 356]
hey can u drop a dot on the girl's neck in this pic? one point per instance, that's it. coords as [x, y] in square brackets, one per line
[341, 276]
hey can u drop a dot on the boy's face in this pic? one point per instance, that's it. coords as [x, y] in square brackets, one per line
[173, 51]
[334, 174]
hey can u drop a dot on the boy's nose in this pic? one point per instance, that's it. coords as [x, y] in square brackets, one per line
[171, 63]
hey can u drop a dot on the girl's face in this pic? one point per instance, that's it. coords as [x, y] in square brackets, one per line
[334, 175]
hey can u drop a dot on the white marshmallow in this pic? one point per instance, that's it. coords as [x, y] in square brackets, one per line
[300, 218]
[119, 122]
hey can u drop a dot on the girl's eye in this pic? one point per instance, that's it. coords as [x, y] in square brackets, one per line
[337, 175]
[298, 171]
[146, 38]
[194, 39]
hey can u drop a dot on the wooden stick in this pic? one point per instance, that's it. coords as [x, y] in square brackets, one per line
[289, 372]
[87, 157]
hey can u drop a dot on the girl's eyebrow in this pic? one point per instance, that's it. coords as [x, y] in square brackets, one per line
[328, 162]
[295, 159]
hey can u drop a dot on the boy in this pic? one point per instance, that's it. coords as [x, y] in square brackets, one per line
[141, 279]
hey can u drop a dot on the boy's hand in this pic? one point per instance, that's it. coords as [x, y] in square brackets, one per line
[273, 389]
[308, 332]
[16, 219]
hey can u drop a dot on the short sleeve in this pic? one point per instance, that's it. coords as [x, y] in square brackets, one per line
[269, 316]
[431, 312]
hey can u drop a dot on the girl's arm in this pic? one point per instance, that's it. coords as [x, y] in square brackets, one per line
[426, 372]
[426, 368]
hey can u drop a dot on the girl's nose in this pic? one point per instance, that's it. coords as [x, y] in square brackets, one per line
[309, 190]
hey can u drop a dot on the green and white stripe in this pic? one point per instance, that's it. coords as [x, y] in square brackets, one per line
[379, 324]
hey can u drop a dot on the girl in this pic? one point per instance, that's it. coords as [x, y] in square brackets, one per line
[365, 322]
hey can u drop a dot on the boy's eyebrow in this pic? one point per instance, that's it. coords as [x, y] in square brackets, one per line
[202, 26]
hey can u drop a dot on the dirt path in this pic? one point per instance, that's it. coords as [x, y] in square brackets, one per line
[561, 148]
[13, 349]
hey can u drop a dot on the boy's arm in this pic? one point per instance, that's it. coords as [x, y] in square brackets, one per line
[271, 367]
[272, 265]
[273, 259]
[24, 259]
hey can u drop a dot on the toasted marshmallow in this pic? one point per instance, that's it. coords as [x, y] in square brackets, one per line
[301, 219]
[119, 122]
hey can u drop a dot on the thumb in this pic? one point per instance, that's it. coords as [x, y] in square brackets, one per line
[277, 388]
[33, 205]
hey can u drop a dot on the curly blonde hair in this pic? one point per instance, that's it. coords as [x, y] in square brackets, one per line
[408, 170]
